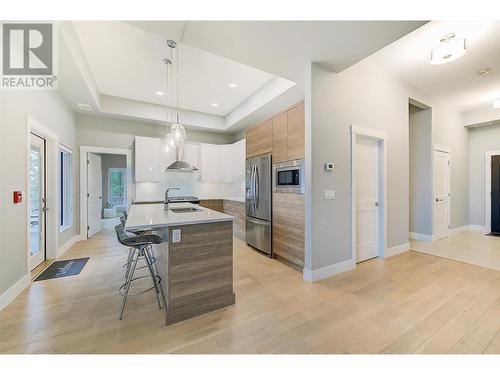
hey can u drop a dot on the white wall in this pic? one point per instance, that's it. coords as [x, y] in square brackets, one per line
[48, 108]
[481, 140]
[420, 128]
[367, 96]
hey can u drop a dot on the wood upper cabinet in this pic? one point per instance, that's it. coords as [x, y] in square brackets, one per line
[259, 139]
[295, 133]
[280, 152]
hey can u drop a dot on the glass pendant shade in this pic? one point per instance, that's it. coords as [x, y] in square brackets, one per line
[178, 132]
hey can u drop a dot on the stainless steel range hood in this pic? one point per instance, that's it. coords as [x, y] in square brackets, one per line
[179, 165]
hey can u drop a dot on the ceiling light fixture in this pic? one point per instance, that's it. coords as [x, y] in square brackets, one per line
[160, 93]
[496, 103]
[84, 107]
[232, 85]
[215, 105]
[448, 50]
[483, 71]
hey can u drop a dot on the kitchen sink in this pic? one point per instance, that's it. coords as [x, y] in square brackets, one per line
[184, 209]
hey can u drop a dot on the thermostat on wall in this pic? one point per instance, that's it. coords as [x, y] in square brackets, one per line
[329, 166]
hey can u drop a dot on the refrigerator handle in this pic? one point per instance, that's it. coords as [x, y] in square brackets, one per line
[257, 184]
[254, 183]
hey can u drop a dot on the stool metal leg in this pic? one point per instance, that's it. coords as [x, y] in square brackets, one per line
[129, 279]
[154, 277]
[155, 268]
[131, 252]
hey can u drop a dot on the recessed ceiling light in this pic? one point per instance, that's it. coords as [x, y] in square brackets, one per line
[448, 50]
[84, 107]
[496, 103]
[215, 105]
[483, 71]
[232, 85]
[160, 93]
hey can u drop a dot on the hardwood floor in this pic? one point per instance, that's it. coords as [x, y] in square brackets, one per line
[410, 303]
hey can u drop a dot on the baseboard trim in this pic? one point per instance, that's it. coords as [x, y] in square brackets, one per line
[421, 237]
[328, 271]
[480, 228]
[16, 289]
[61, 250]
[395, 250]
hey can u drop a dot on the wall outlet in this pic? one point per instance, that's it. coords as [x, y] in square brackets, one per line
[176, 235]
[329, 166]
[329, 194]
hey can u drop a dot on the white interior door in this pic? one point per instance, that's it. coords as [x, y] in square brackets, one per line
[37, 201]
[441, 202]
[94, 196]
[367, 198]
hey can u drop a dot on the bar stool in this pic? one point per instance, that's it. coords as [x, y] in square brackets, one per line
[141, 246]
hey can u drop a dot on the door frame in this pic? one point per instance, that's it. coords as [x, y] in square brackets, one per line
[51, 188]
[448, 213]
[381, 138]
[487, 188]
[83, 179]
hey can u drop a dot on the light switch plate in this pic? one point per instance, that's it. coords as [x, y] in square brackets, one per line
[176, 235]
[329, 194]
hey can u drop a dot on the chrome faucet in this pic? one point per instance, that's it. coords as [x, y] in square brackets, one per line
[165, 205]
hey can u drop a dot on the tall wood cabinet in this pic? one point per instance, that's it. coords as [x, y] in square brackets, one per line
[295, 132]
[283, 136]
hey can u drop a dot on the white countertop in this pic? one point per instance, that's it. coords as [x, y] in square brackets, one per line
[144, 216]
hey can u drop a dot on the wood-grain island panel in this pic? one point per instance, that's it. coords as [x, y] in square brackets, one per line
[198, 274]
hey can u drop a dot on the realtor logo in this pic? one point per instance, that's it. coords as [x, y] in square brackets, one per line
[28, 56]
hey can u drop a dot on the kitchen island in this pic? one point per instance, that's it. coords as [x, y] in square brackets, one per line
[195, 259]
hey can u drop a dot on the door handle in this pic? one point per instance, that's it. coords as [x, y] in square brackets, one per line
[257, 183]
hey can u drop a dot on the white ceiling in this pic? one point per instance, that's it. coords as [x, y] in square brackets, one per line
[127, 62]
[117, 66]
[456, 82]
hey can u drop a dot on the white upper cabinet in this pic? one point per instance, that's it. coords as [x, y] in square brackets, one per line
[209, 163]
[226, 165]
[239, 150]
[216, 163]
[147, 159]
[192, 154]
[223, 163]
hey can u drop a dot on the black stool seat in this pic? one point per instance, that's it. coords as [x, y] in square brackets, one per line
[134, 240]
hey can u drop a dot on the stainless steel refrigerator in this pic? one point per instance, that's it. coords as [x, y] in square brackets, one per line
[258, 203]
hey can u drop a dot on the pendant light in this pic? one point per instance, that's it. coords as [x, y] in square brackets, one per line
[177, 134]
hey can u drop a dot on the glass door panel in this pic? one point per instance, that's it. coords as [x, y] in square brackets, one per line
[37, 201]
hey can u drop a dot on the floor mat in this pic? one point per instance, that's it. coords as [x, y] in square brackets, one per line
[63, 268]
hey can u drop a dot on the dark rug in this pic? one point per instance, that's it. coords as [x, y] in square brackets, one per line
[63, 268]
[493, 234]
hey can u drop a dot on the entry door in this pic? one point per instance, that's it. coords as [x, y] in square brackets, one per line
[367, 202]
[94, 197]
[495, 193]
[37, 201]
[441, 202]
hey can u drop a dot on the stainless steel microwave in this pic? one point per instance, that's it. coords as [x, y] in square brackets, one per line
[289, 177]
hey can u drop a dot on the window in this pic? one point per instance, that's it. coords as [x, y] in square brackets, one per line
[65, 188]
[117, 186]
